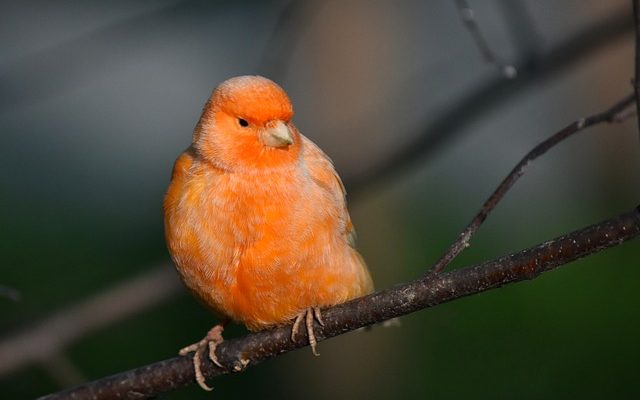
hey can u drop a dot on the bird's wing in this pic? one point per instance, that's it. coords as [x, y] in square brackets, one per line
[183, 163]
[322, 171]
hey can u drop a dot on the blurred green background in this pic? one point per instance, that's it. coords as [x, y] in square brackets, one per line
[98, 98]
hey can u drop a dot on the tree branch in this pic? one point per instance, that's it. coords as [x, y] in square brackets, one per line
[178, 372]
[614, 114]
[490, 95]
[469, 20]
[431, 290]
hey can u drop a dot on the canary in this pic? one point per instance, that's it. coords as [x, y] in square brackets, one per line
[256, 219]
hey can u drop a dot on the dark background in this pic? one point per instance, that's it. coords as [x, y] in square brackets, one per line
[98, 98]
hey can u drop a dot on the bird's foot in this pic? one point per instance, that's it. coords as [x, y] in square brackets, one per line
[308, 315]
[210, 342]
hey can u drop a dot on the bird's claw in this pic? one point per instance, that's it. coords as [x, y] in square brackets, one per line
[210, 342]
[308, 316]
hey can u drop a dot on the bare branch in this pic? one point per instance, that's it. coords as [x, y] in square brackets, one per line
[469, 19]
[178, 372]
[614, 114]
[431, 290]
[24, 347]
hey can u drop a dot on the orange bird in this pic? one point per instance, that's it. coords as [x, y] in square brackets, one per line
[256, 219]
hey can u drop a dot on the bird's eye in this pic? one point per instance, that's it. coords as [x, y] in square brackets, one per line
[243, 122]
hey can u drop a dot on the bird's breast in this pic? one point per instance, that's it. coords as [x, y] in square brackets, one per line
[229, 233]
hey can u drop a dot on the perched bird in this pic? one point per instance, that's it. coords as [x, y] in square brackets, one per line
[256, 219]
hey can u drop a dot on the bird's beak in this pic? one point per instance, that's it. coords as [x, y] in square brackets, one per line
[277, 134]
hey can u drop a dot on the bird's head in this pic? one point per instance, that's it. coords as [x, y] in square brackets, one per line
[246, 124]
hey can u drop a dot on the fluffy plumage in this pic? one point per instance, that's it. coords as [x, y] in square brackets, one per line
[259, 232]
[256, 219]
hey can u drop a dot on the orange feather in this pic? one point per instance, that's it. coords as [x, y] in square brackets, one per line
[255, 214]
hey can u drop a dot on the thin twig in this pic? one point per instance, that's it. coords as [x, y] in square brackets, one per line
[178, 372]
[636, 84]
[468, 18]
[614, 114]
